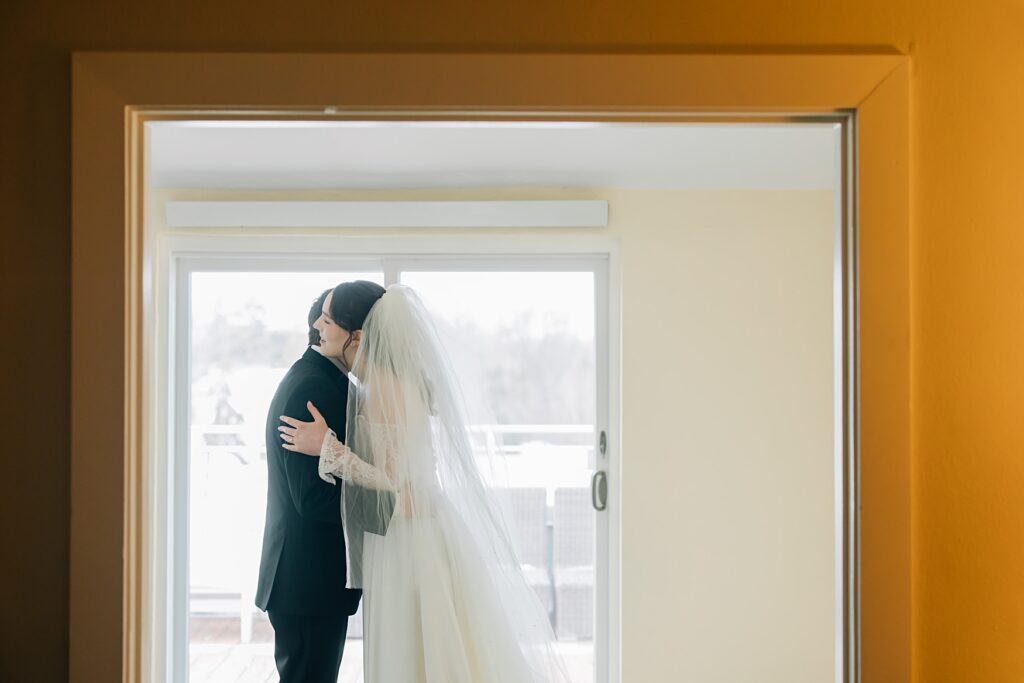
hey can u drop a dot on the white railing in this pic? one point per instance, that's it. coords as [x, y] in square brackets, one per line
[228, 493]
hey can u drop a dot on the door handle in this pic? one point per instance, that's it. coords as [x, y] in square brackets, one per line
[599, 490]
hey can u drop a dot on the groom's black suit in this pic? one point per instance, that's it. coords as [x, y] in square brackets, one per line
[303, 566]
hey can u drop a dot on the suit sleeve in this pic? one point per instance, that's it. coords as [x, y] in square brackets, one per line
[312, 497]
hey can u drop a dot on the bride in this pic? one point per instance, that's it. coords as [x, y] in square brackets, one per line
[445, 600]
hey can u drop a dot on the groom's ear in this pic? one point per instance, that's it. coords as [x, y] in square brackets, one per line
[358, 335]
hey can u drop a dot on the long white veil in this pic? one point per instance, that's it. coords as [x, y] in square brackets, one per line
[406, 416]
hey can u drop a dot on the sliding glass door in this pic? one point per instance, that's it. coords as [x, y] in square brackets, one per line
[528, 338]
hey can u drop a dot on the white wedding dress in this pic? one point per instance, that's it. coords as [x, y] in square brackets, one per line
[444, 599]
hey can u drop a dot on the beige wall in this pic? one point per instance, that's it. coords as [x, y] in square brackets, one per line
[727, 372]
[727, 465]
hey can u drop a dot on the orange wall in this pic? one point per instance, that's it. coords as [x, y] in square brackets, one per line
[967, 246]
[968, 347]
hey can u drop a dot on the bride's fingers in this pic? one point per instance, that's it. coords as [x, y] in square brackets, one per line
[293, 422]
[295, 449]
[317, 417]
[287, 430]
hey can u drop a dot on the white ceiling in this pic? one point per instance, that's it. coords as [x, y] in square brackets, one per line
[392, 155]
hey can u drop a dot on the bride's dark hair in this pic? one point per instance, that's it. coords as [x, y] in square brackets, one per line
[351, 303]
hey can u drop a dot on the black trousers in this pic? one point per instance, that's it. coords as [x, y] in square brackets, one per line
[308, 649]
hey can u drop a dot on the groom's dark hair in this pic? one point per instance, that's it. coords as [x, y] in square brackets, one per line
[314, 313]
[352, 302]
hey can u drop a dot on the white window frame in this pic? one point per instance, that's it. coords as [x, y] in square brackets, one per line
[167, 374]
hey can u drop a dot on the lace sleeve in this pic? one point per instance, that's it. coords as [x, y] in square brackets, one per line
[338, 460]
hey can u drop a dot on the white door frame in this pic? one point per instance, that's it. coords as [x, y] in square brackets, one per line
[167, 369]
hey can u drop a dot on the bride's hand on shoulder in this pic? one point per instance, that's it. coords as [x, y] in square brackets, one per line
[304, 437]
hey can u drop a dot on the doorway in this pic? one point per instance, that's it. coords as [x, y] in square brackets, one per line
[533, 324]
[113, 261]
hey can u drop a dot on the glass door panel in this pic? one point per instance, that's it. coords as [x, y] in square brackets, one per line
[245, 331]
[523, 345]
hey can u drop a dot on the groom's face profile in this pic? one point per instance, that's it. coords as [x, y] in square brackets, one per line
[333, 337]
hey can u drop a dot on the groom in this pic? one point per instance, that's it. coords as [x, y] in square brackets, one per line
[302, 569]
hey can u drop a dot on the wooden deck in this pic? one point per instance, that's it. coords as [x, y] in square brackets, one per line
[216, 656]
